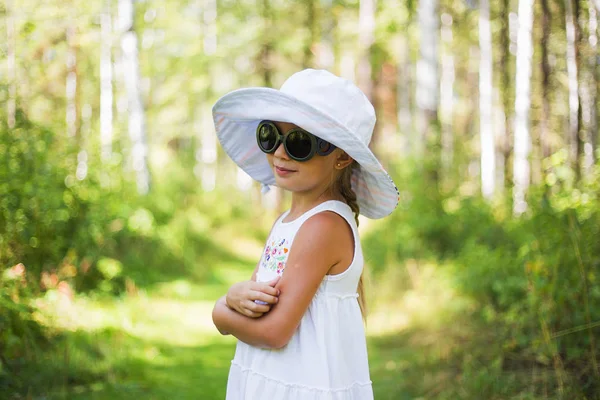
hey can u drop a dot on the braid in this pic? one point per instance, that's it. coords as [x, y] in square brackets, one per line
[345, 189]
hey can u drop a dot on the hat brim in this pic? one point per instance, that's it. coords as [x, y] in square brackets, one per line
[237, 114]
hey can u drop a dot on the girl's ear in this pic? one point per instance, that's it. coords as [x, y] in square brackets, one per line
[343, 160]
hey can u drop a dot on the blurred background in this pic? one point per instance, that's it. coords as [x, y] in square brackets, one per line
[122, 220]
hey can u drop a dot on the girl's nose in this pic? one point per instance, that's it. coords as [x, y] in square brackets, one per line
[280, 152]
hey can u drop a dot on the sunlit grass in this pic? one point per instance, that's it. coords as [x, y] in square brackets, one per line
[413, 294]
[158, 342]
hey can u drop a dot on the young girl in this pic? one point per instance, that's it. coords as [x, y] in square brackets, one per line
[298, 319]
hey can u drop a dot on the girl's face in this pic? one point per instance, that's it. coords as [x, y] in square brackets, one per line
[317, 173]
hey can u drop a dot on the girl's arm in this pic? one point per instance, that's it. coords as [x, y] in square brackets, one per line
[241, 296]
[323, 241]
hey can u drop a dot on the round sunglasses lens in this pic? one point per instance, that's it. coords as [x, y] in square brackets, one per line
[267, 137]
[324, 147]
[298, 144]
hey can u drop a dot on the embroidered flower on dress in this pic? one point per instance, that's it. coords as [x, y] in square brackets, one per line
[275, 256]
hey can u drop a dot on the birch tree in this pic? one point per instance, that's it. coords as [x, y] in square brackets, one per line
[428, 83]
[265, 67]
[208, 140]
[313, 33]
[447, 91]
[404, 92]
[106, 88]
[136, 123]
[573, 32]
[504, 132]
[594, 37]
[84, 132]
[366, 38]
[325, 54]
[522, 139]
[545, 68]
[488, 151]
[595, 133]
[71, 83]
[591, 92]
[11, 64]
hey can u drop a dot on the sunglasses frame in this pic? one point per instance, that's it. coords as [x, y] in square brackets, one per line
[315, 145]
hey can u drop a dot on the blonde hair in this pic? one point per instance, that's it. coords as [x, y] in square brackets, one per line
[345, 189]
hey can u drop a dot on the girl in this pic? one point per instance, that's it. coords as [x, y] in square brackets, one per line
[298, 319]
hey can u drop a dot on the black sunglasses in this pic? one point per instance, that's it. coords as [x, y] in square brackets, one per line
[299, 144]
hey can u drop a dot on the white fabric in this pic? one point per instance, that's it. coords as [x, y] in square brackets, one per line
[326, 359]
[329, 107]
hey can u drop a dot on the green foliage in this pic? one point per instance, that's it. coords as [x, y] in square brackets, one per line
[61, 235]
[21, 335]
[534, 277]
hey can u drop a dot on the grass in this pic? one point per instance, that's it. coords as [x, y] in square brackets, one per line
[158, 342]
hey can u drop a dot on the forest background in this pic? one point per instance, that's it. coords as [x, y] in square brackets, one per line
[122, 220]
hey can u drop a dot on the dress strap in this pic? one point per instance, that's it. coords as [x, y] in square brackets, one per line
[332, 205]
[281, 217]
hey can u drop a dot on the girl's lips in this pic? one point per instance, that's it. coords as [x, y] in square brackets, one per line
[282, 171]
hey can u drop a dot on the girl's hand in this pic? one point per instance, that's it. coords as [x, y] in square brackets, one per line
[241, 296]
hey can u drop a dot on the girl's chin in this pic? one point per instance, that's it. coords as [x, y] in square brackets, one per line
[286, 184]
[283, 183]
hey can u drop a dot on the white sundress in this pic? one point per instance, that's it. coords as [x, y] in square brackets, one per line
[326, 358]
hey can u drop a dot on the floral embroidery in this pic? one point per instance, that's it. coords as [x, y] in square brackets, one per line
[275, 256]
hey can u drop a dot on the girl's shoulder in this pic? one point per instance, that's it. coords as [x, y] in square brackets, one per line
[330, 227]
[333, 206]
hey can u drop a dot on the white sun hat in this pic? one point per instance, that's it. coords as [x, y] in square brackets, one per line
[329, 107]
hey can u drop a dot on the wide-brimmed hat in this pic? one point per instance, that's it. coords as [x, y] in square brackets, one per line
[326, 105]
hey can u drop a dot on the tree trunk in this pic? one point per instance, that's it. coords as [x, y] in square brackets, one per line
[488, 151]
[84, 131]
[313, 34]
[545, 67]
[137, 129]
[522, 104]
[325, 51]
[591, 111]
[11, 65]
[366, 38]
[427, 71]
[208, 140]
[404, 97]
[267, 44]
[573, 66]
[106, 88]
[71, 84]
[596, 73]
[428, 124]
[208, 152]
[504, 134]
[447, 93]
[210, 27]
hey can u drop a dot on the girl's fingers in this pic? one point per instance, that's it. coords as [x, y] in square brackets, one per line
[251, 314]
[265, 288]
[263, 297]
[256, 308]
